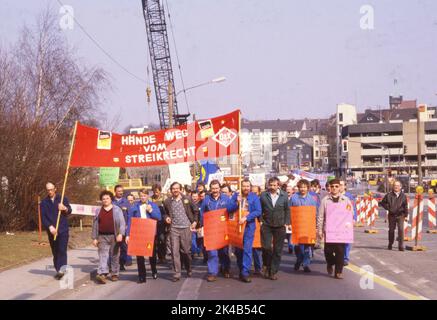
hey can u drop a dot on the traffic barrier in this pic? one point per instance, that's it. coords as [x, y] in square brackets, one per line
[416, 223]
[431, 215]
[371, 212]
[407, 224]
[359, 204]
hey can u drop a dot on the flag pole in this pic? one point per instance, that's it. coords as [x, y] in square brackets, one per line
[239, 170]
[66, 176]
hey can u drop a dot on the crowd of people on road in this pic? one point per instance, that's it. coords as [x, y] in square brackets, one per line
[179, 235]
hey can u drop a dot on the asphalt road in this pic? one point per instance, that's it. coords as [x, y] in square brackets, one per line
[398, 275]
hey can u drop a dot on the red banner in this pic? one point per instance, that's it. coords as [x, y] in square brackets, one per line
[142, 237]
[211, 138]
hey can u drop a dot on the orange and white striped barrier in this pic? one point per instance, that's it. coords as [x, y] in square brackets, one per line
[371, 212]
[358, 204]
[407, 225]
[415, 222]
[431, 214]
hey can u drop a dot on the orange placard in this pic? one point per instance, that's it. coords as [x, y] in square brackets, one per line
[303, 224]
[215, 229]
[142, 237]
[235, 236]
[257, 239]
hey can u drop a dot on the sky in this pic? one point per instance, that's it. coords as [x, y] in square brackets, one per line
[282, 59]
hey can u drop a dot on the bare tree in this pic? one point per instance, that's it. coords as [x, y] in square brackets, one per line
[44, 89]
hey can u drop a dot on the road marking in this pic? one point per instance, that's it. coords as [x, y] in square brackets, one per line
[387, 284]
[397, 271]
[190, 289]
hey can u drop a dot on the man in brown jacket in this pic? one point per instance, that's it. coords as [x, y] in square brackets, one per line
[182, 216]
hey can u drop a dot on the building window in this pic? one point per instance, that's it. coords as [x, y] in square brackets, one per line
[340, 117]
[317, 153]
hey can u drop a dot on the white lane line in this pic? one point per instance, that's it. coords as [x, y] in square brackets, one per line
[190, 289]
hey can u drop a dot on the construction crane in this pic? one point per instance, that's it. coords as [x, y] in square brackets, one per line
[162, 71]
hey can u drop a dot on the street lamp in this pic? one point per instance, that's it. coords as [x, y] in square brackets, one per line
[213, 81]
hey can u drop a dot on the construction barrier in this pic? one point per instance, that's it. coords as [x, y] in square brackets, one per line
[431, 215]
[360, 217]
[407, 224]
[416, 221]
[371, 212]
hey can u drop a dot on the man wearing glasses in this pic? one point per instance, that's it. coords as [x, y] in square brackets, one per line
[334, 252]
[50, 206]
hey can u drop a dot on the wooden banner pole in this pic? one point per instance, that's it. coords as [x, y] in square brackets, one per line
[66, 176]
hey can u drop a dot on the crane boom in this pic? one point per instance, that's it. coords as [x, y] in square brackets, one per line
[162, 71]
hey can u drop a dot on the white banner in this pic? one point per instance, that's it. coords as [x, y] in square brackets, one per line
[84, 210]
[258, 179]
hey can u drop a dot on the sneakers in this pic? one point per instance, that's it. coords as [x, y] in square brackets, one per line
[211, 278]
[114, 278]
[306, 269]
[58, 276]
[101, 279]
[338, 276]
[330, 270]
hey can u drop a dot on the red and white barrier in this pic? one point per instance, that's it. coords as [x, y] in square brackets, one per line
[431, 213]
[417, 210]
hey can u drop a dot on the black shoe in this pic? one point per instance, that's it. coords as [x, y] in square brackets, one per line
[296, 266]
[290, 250]
[306, 269]
[401, 249]
[141, 280]
[155, 275]
[122, 268]
[59, 276]
[390, 247]
[245, 279]
[345, 264]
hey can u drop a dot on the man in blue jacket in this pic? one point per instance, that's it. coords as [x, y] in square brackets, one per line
[251, 206]
[144, 209]
[124, 205]
[50, 207]
[215, 201]
[299, 199]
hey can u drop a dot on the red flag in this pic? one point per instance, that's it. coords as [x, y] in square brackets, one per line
[212, 138]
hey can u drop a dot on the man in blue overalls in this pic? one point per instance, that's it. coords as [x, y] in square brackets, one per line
[251, 207]
[122, 202]
[50, 206]
[303, 198]
[215, 201]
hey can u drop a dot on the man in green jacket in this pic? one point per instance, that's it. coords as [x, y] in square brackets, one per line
[275, 218]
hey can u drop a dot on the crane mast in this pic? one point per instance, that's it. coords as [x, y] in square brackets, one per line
[162, 71]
